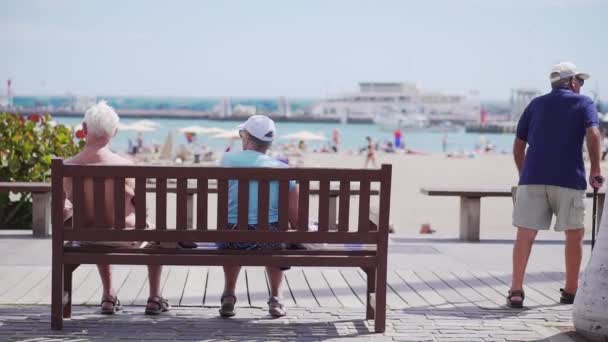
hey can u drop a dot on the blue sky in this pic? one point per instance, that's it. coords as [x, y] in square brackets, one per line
[296, 48]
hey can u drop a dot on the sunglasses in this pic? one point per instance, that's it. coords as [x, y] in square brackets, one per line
[580, 80]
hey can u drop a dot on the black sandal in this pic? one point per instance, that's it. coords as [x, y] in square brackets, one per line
[115, 305]
[566, 297]
[516, 304]
[162, 305]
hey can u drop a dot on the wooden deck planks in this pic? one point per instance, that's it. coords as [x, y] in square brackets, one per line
[421, 288]
[215, 287]
[257, 287]
[532, 290]
[119, 275]
[132, 285]
[356, 282]
[480, 287]
[194, 288]
[142, 297]
[399, 295]
[341, 289]
[176, 282]
[321, 290]
[445, 291]
[25, 284]
[463, 289]
[11, 276]
[302, 294]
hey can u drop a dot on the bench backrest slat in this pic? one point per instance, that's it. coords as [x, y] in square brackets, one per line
[283, 205]
[161, 203]
[202, 186]
[364, 191]
[222, 204]
[343, 213]
[243, 204]
[181, 206]
[99, 200]
[140, 203]
[303, 205]
[119, 203]
[324, 205]
[78, 202]
[263, 204]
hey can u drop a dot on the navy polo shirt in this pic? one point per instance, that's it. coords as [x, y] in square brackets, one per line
[554, 126]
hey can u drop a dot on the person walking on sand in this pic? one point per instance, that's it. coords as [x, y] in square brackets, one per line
[552, 174]
[371, 153]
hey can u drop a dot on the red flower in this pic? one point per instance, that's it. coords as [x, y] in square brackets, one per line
[34, 117]
[21, 121]
[80, 134]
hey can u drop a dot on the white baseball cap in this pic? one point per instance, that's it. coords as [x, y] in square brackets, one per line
[565, 70]
[260, 126]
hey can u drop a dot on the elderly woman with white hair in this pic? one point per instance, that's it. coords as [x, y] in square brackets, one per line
[100, 126]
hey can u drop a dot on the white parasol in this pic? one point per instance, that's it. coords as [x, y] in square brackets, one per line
[304, 135]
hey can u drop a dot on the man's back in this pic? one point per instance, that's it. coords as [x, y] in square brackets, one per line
[554, 126]
[250, 158]
[103, 156]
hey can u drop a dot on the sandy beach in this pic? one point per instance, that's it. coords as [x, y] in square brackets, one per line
[410, 208]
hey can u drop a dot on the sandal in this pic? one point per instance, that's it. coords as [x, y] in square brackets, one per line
[227, 307]
[515, 304]
[275, 307]
[160, 305]
[566, 297]
[115, 305]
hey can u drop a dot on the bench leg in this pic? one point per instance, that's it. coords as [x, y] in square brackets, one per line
[57, 297]
[380, 304]
[371, 289]
[67, 286]
[41, 214]
[469, 218]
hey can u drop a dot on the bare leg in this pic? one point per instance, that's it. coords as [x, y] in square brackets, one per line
[154, 273]
[231, 275]
[105, 273]
[521, 254]
[574, 254]
[276, 281]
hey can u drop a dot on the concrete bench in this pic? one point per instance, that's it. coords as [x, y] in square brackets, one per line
[470, 205]
[41, 201]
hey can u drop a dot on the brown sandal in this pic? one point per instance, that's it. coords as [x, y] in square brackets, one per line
[115, 305]
[161, 305]
[516, 304]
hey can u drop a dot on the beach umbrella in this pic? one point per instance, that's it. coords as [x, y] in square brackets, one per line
[146, 122]
[234, 134]
[135, 127]
[201, 130]
[305, 136]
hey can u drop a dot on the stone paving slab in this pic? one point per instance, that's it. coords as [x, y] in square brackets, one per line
[32, 323]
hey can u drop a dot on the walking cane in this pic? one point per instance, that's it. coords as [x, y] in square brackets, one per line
[600, 180]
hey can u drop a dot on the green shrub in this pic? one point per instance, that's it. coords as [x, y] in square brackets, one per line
[27, 146]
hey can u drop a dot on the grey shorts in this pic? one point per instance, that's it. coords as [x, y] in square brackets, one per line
[535, 206]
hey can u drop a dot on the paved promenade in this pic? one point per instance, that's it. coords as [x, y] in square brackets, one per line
[439, 290]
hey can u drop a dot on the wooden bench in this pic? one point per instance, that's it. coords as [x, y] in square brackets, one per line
[370, 238]
[470, 205]
[41, 201]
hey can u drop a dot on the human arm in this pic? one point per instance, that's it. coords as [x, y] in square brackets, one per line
[594, 141]
[593, 147]
[519, 154]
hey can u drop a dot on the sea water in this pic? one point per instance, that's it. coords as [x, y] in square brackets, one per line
[352, 136]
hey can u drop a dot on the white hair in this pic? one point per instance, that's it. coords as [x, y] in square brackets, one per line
[101, 120]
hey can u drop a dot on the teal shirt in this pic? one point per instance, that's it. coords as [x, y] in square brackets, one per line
[250, 158]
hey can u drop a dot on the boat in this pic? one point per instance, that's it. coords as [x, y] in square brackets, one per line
[399, 104]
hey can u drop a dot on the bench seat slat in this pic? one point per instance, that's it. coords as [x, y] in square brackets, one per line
[263, 203]
[140, 203]
[161, 203]
[202, 184]
[93, 234]
[222, 259]
[99, 199]
[119, 202]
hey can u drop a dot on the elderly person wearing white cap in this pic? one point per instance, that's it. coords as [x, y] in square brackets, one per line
[552, 178]
[257, 134]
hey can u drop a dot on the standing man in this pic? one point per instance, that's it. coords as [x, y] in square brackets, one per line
[552, 173]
